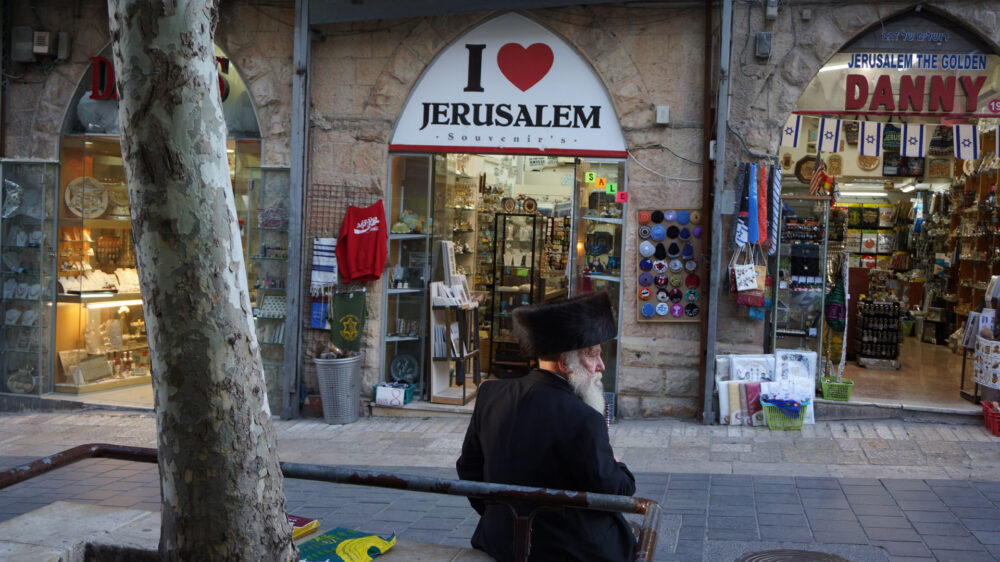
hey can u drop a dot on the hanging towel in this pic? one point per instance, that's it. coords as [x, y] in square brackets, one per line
[752, 206]
[741, 212]
[324, 265]
[762, 202]
[774, 217]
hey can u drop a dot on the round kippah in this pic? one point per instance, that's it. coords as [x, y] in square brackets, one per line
[657, 216]
[661, 252]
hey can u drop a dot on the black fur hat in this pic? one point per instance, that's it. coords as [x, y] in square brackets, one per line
[549, 329]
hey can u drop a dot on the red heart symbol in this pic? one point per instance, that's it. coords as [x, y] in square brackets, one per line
[524, 67]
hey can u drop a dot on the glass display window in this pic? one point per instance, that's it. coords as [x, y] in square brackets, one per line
[26, 268]
[597, 252]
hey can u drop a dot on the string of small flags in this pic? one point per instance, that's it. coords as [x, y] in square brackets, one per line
[913, 141]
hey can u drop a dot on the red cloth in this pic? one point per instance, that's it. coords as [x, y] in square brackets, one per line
[762, 203]
[363, 243]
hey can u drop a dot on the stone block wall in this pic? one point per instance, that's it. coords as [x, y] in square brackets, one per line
[257, 38]
[362, 74]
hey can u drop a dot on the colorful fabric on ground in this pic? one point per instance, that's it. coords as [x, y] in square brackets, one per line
[345, 545]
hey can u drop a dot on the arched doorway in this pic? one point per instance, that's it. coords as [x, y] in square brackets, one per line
[495, 164]
[903, 119]
[101, 353]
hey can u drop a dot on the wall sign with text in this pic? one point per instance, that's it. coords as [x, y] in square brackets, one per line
[510, 86]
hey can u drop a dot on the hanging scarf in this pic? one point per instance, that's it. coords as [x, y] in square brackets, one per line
[753, 206]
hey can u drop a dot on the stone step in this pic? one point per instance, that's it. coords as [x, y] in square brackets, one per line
[831, 410]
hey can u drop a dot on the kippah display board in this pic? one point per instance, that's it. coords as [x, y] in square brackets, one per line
[670, 267]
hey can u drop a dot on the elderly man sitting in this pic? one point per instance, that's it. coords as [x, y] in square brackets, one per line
[547, 429]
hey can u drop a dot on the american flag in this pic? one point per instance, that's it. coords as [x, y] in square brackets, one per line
[819, 175]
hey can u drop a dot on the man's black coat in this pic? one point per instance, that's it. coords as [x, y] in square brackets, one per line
[534, 431]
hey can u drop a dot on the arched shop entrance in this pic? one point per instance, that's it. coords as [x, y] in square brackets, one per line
[508, 187]
[98, 348]
[907, 129]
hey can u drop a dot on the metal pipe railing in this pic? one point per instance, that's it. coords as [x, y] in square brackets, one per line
[544, 498]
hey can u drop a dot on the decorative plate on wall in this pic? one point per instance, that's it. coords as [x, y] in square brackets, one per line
[86, 197]
[509, 204]
[404, 368]
[868, 163]
[529, 205]
[804, 168]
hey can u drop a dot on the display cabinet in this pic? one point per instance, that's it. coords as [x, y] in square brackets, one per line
[405, 296]
[27, 234]
[456, 367]
[800, 288]
[266, 233]
[597, 256]
[517, 259]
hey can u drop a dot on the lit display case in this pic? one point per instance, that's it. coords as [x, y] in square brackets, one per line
[597, 254]
[408, 210]
[800, 287]
[27, 238]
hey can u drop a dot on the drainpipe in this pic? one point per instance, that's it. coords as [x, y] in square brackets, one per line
[706, 174]
[715, 273]
[296, 202]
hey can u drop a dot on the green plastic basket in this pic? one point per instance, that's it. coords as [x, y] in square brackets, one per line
[837, 390]
[777, 420]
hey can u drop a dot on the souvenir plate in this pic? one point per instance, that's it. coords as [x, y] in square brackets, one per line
[86, 197]
[868, 163]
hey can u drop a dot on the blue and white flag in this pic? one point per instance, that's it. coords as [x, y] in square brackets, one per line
[966, 142]
[913, 140]
[790, 134]
[870, 143]
[829, 135]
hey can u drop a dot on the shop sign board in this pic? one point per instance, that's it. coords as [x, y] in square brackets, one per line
[510, 86]
[881, 83]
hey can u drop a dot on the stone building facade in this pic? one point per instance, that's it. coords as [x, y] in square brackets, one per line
[645, 55]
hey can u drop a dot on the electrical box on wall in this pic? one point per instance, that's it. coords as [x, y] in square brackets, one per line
[763, 44]
[662, 114]
[41, 43]
[21, 40]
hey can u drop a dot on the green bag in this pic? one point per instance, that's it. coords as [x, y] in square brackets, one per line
[347, 320]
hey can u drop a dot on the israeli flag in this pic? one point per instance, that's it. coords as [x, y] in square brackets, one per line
[829, 135]
[913, 140]
[790, 134]
[966, 142]
[870, 143]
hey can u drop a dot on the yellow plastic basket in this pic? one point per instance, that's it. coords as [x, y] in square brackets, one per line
[777, 420]
[837, 390]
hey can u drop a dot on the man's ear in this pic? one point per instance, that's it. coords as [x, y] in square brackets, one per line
[563, 365]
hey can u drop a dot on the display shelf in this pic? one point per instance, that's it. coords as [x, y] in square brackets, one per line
[455, 371]
[96, 297]
[608, 220]
[613, 278]
[123, 224]
[404, 291]
[410, 236]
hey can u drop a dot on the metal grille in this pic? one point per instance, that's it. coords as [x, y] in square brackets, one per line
[324, 212]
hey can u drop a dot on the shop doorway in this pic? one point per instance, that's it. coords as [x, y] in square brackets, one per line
[99, 351]
[514, 230]
[906, 232]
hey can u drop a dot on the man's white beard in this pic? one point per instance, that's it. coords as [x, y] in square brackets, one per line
[588, 387]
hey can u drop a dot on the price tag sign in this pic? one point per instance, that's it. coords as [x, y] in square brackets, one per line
[589, 177]
[611, 188]
[621, 197]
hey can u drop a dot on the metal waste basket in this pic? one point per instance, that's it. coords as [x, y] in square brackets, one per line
[340, 388]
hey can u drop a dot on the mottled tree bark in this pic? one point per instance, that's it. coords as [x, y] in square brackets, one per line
[220, 482]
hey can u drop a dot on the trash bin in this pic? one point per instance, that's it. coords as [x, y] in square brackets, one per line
[340, 388]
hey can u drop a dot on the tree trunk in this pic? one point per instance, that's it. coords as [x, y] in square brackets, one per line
[220, 481]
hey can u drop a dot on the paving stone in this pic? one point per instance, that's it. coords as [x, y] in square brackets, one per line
[980, 524]
[779, 508]
[732, 534]
[921, 505]
[897, 548]
[891, 534]
[834, 537]
[785, 533]
[872, 499]
[953, 529]
[931, 516]
[780, 519]
[715, 522]
[946, 542]
[809, 482]
[944, 555]
[817, 515]
[988, 537]
[884, 521]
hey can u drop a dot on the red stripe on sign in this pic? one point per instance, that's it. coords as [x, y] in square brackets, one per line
[510, 150]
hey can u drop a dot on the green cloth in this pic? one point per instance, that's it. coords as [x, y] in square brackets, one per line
[347, 320]
[346, 545]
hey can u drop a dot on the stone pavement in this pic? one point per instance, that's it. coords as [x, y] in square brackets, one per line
[865, 490]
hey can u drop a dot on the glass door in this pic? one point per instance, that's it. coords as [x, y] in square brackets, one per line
[596, 257]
